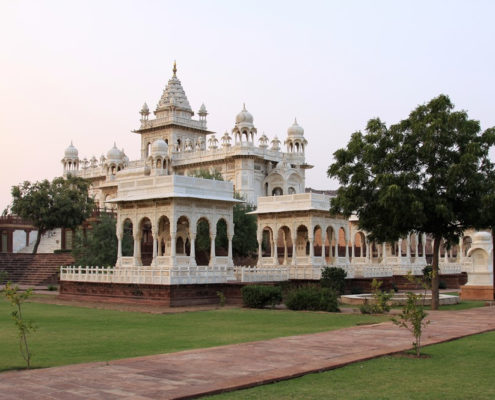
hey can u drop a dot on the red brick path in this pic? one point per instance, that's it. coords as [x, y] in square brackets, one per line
[196, 372]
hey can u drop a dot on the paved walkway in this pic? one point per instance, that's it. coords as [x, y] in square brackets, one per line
[193, 373]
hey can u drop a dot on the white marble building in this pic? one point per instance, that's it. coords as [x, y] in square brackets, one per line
[179, 144]
[296, 234]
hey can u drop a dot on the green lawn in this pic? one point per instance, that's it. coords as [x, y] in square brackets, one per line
[69, 335]
[462, 369]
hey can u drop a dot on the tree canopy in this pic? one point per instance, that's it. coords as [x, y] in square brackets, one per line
[423, 174]
[62, 203]
[96, 246]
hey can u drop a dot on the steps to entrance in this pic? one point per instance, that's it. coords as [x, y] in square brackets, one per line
[34, 269]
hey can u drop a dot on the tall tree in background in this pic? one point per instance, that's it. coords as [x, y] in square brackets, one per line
[98, 246]
[422, 175]
[62, 203]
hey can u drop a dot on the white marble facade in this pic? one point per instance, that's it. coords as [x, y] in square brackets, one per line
[296, 235]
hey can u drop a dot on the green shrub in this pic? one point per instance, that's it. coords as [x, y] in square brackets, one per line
[427, 274]
[381, 300]
[333, 278]
[442, 285]
[312, 298]
[259, 296]
[52, 288]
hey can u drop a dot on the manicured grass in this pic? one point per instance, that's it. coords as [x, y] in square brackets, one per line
[462, 369]
[68, 335]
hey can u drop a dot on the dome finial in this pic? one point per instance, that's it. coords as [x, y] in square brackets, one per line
[244, 107]
[175, 69]
[295, 121]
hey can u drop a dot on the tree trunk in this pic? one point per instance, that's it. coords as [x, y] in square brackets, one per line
[37, 243]
[434, 279]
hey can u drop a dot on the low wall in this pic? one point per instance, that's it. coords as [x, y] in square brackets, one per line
[166, 295]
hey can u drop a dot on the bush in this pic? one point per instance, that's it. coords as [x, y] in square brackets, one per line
[381, 300]
[258, 296]
[442, 285]
[427, 274]
[312, 298]
[333, 278]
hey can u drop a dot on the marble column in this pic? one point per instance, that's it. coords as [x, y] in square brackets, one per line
[120, 236]
[229, 253]
[192, 253]
[408, 250]
[154, 233]
[212, 251]
[323, 239]
[260, 249]
[294, 251]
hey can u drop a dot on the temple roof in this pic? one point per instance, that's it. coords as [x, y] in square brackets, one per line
[174, 96]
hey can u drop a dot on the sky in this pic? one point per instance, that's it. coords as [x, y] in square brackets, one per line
[81, 70]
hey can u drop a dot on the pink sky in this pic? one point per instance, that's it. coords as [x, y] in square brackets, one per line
[81, 70]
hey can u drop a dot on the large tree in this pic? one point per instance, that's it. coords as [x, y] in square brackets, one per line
[62, 203]
[422, 175]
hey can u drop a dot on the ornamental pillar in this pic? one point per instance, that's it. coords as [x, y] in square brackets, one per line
[275, 249]
[408, 250]
[213, 260]
[311, 248]
[400, 248]
[417, 246]
[173, 238]
[137, 249]
[294, 251]
[323, 239]
[120, 235]
[229, 254]
[154, 260]
[260, 249]
[423, 243]
[346, 249]
[192, 254]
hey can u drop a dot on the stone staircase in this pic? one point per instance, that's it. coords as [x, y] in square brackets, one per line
[50, 241]
[34, 269]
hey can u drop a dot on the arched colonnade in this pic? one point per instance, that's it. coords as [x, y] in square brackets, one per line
[160, 238]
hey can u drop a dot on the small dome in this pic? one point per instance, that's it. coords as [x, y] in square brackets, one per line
[145, 110]
[244, 116]
[71, 152]
[159, 148]
[114, 154]
[482, 237]
[295, 130]
[202, 110]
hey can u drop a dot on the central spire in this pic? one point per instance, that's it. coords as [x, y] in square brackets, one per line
[174, 70]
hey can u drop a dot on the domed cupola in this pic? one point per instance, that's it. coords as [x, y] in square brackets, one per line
[71, 152]
[71, 159]
[244, 117]
[244, 129]
[114, 154]
[295, 141]
[295, 130]
[159, 148]
[158, 159]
